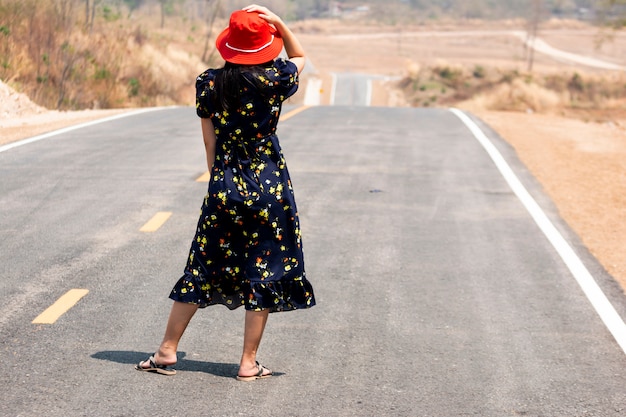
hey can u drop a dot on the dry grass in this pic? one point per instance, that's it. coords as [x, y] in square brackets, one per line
[50, 55]
[483, 88]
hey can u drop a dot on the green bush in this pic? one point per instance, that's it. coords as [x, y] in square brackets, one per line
[133, 87]
[109, 15]
[479, 72]
[102, 74]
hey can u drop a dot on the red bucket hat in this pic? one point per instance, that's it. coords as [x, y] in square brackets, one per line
[248, 40]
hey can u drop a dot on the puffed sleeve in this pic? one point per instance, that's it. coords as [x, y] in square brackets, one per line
[204, 88]
[285, 78]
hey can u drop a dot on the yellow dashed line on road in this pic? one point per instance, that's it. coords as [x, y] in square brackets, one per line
[60, 307]
[293, 113]
[206, 177]
[156, 222]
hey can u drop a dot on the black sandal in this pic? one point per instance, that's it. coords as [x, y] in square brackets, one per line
[154, 367]
[259, 375]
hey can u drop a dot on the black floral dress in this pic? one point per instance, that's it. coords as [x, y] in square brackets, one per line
[247, 250]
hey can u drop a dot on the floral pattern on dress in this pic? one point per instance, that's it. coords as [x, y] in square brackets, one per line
[247, 250]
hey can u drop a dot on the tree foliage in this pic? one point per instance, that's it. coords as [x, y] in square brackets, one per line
[485, 9]
[613, 13]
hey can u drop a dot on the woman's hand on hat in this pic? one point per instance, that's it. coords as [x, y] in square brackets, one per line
[293, 48]
[264, 13]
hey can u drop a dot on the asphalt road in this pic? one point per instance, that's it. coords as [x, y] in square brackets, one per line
[438, 294]
[351, 90]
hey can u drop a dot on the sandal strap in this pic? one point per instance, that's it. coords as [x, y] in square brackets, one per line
[153, 364]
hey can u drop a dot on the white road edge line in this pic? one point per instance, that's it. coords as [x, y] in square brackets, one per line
[590, 287]
[74, 127]
[312, 93]
[333, 87]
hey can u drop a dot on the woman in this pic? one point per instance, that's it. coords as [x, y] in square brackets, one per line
[247, 250]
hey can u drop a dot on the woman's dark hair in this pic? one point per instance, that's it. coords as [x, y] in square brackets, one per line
[231, 80]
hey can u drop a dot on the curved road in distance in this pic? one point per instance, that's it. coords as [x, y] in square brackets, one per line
[437, 293]
[537, 44]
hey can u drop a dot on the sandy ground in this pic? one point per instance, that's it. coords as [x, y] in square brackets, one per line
[581, 164]
[20, 118]
[25, 126]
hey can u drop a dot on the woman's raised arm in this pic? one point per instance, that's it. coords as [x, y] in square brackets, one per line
[294, 49]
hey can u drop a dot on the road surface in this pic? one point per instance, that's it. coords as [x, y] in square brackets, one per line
[438, 294]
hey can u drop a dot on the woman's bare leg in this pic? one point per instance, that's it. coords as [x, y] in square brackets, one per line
[253, 332]
[180, 315]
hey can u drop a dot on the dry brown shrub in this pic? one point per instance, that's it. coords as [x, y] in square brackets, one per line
[521, 96]
[60, 64]
[481, 88]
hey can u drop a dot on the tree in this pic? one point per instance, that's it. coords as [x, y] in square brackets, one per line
[531, 34]
[90, 13]
[210, 22]
[169, 8]
[613, 13]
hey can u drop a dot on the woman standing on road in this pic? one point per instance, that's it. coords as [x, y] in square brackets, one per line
[247, 250]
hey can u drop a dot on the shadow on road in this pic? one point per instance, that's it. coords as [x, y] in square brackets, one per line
[227, 370]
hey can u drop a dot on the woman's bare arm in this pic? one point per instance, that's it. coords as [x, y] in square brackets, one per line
[208, 135]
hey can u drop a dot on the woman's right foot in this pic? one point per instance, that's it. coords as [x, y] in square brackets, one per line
[159, 366]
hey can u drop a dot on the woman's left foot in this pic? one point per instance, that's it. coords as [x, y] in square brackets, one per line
[262, 372]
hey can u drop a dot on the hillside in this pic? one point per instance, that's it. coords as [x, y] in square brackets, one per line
[113, 59]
